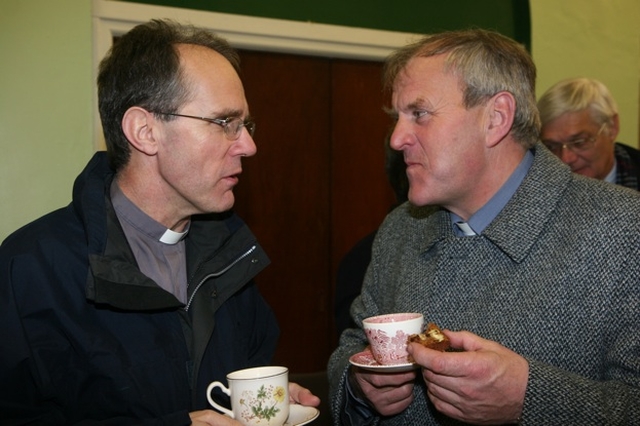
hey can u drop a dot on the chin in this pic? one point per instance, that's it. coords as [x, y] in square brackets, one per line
[585, 172]
[227, 202]
[220, 204]
[419, 201]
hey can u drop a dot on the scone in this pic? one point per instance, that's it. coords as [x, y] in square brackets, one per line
[432, 338]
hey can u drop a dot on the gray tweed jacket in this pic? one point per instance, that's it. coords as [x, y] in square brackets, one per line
[555, 277]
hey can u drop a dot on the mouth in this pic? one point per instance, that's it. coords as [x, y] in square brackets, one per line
[232, 179]
[410, 164]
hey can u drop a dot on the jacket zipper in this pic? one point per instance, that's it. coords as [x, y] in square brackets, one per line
[217, 274]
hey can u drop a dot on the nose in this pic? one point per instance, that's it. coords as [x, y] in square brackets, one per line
[400, 136]
[567, 155]
[246, 144]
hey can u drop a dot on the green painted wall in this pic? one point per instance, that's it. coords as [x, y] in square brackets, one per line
[46, 83]
[45, 105]
[510, 17]
[593, 38]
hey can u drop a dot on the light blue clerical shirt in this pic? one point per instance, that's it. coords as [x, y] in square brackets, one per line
[483, 217]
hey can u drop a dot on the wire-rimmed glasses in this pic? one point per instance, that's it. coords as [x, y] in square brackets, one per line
[575, 145]
[232, 126]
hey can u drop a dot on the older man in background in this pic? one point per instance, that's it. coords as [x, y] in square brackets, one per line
[580, 124]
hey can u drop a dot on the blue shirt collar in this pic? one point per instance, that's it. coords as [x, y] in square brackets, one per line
[483, 217]
[611, 177]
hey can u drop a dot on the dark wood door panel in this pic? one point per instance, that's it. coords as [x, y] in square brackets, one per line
[316, 185]
[284, 197]
[360, 193]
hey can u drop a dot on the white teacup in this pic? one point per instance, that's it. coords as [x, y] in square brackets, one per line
[387, 335]
[259, 396]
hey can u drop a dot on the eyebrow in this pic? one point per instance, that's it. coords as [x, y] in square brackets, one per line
[390, 111]
[417, 104]
[229, 112]
[582, 133]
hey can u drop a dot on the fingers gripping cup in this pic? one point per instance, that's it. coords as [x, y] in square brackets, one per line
[259, 396]
[388, 334]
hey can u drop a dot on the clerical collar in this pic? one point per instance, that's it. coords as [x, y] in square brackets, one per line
[483, 217]
[172, 237]
[143, 223]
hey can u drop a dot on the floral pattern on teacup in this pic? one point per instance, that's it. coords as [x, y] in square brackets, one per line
[388, 349]
[262, 405]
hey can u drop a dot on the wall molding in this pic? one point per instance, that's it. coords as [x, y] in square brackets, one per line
[113, 18]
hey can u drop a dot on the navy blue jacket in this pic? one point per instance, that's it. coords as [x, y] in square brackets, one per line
[86, 338]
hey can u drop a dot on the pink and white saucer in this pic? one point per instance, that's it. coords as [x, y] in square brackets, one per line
[366, 361]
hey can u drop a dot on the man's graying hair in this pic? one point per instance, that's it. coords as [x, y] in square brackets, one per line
[486, 63]
[142, 69]
[575, 95]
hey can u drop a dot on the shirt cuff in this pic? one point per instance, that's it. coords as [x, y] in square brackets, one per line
[356, 410]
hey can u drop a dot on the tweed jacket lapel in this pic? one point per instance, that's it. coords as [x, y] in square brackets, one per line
[522, 221]
[436, 228]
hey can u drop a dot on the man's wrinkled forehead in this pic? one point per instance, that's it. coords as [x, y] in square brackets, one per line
[414, 71]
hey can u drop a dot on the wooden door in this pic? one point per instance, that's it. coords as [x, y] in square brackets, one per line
[316, 186]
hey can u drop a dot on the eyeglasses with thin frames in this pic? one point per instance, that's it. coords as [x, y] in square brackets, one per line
[576, 145]
[231, 126]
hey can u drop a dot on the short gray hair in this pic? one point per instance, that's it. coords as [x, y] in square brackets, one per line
[575, 95]
[486, 63]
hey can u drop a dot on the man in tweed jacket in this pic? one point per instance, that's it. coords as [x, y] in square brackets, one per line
[545, 291]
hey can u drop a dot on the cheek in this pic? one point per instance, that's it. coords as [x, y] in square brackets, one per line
[203, 155]
[590, 157]
[204, 170]
[192, 166]
[603, 151]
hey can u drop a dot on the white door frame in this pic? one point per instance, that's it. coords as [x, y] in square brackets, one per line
[113, 18]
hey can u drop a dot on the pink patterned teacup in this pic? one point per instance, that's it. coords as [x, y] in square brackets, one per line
[387, 335]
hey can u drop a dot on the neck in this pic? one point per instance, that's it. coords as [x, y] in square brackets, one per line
[498, 166]
[151, 201]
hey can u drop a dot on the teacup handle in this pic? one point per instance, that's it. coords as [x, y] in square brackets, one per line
[218, 407]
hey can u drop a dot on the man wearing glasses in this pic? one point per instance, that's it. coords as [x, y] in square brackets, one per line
[122, 307]
[580, 124]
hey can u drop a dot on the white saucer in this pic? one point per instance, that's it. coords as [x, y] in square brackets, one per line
[301, 415]
[366, 361]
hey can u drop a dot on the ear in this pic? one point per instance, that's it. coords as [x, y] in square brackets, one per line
[138, 126]
[614, 127]
[501, 110]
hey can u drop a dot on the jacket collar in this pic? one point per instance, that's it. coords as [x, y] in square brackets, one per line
[115, 279]
[213, 242]
[523, 219]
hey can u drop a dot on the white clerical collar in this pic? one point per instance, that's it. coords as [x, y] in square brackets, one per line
[466, 230]
[142, 223]
[173, 237]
